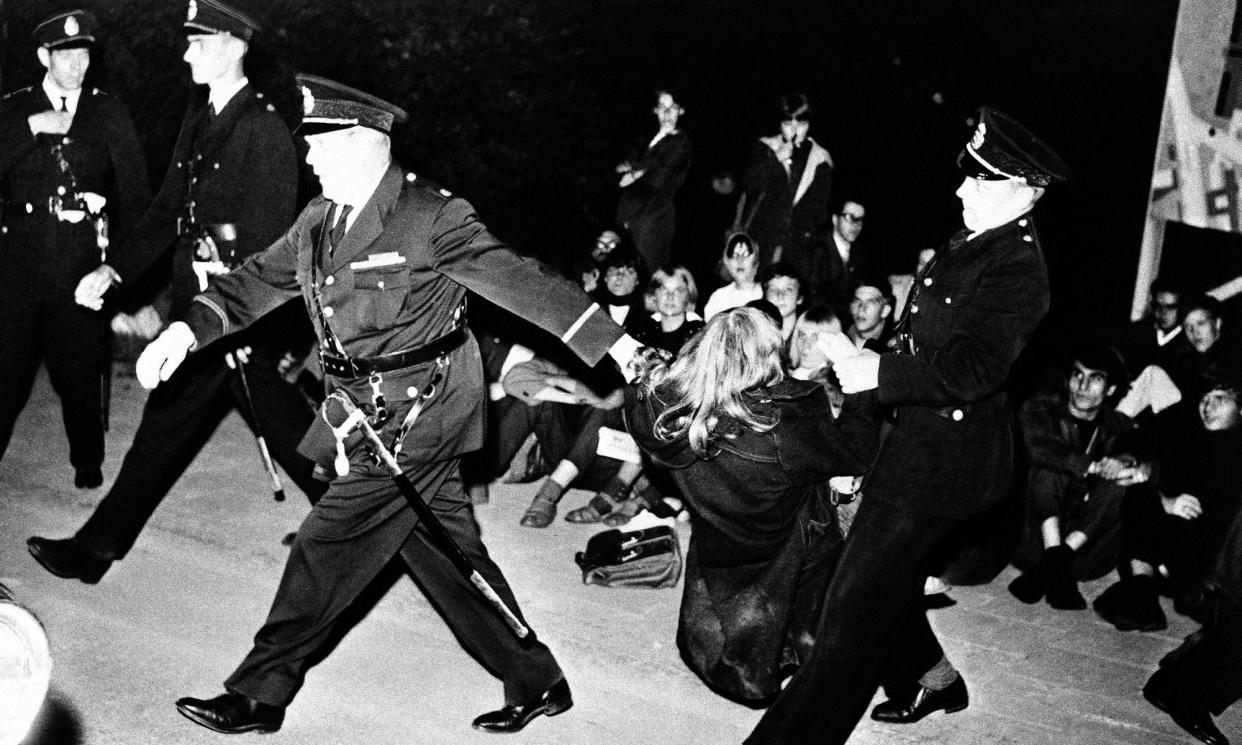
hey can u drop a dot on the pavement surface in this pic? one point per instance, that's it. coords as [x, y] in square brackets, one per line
[175, 617]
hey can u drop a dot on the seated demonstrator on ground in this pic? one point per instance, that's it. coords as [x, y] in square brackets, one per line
[383, 261]
[752, 450]
[1077, 477]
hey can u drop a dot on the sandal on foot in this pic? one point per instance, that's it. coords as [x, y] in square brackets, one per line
[594, 512]
[624, 512]
[540, 514]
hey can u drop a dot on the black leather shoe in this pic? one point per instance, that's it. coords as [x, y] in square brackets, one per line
[925, 701]
[232, 714]
[1193, 718]
[69, 559]
[513, 718]
[88, 478]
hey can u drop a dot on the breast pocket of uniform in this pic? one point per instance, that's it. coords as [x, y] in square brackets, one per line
[380, 294]
[938, 304]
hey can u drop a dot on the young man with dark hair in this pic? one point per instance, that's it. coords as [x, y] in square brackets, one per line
[1077, 478]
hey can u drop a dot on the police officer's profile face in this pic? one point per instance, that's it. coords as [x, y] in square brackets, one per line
[1218, 410]
[66, 67]
[1202, 329]
[989, 204]
[1165, 310]
[210, 56]
[848, 223]
[869, 308]
[785, 293]
[795, 130]
[1088, 388]
[346, 162]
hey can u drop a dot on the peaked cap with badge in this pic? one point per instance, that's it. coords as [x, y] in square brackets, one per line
[1001, 148]
[328, 106]
[236, 18]
[74, 28]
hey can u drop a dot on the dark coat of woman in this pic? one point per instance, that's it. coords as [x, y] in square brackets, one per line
[765, 535]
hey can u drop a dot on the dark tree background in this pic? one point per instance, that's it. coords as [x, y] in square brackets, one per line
[524, 107]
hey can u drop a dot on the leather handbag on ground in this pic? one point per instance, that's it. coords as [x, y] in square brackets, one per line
[650, 557]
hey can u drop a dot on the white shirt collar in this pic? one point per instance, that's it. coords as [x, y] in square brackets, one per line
[843, 246]
[1164, 337]
[55, 93]
[220, 96]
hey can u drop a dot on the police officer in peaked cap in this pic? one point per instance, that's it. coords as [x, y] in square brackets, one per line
[948, 457]
[73, 181]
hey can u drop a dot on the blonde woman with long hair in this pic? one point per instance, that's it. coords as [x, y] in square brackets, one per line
[752, 451]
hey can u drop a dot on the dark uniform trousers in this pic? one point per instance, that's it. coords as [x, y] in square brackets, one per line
[339, 552]
[178, 419]
[49, 326]
[948, 458]
[42, 258]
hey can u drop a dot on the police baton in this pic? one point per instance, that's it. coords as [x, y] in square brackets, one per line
[451, 550]
[235, 362]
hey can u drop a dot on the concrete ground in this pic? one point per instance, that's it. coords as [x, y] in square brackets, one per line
[177, 615]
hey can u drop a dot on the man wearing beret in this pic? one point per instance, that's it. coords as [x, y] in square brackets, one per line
[72, 174]
[383, 261]
[949, 455]
[230, 191]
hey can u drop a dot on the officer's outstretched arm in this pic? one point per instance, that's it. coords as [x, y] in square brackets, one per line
[162, 356]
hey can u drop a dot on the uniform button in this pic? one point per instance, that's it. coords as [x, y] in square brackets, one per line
[411, 392]
[4, 229]
[380, 284]
[948, 301]
[327, 311]
[215, 166]
[60, 190]
[958, 415]
[927, 281]
[65, 141]
[914, 308]
[1027, 238]
[410, 177]
[1022, 223]
[329, 279]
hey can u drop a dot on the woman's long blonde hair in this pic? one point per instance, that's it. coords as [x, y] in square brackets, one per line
[739, 350]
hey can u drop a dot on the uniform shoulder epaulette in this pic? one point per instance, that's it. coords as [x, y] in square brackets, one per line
[413, 179]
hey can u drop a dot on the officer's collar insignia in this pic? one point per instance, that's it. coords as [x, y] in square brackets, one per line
[71, 26]
[308, 101]
[981, 132]
[193, 11]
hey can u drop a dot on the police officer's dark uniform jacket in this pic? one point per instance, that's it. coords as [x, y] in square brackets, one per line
[394, 289]
[949, 455]
[42, 258]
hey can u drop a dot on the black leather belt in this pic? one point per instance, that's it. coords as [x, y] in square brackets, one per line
[358, 367]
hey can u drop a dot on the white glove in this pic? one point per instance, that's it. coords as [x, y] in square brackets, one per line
[94, 202]
[162, 356]
[859, 373]
[91, 288]
[623, 352]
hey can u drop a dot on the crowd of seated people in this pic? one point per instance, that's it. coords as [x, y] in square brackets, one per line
[1131, 466]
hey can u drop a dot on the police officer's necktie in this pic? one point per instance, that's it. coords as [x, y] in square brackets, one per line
[64, 103]
[338, 230]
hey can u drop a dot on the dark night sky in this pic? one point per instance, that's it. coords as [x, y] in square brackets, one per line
[525, 106]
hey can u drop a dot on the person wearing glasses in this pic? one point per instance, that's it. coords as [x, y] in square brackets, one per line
[649, 183]
[1157, 338]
